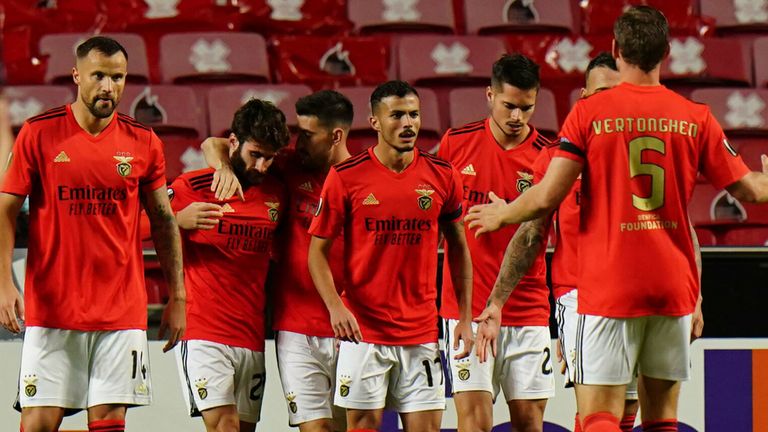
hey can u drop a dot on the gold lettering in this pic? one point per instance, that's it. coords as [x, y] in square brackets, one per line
[683, 125]
[673, 126]
[652, 125]
[663, 125]
[641, 123]
[630, 121]
[597, 127]
[694, 128]
[619, 124]
[607, 126]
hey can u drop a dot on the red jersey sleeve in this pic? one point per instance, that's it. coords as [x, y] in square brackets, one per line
[443, 152]
[719, 162]
[572, 137]
[22, 166]
[452, 210]
[541, 164]
[155, 175]
[330, 214]
[180, 194]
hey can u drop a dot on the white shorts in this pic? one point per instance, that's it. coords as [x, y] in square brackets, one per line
[307, 366]
[214, 375]
[612, 351]
[567, 319]
[77, 369]
[403, 378]
[523, 369]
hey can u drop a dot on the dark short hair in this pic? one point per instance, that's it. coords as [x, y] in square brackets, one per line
[102, 44]
[603, 59]
[642, 36]
[516, 70]
[263, 122]
[331, 108]
[391, 88]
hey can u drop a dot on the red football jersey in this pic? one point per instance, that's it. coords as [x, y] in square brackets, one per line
[390, 226]
[641, 147]
[225, 268]
[565, 225]
[85, 268]
[297, 306]
[485, 166]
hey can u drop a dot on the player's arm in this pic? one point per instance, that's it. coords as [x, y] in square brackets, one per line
[6, 137]
[753, 187]
[460, 263]
[225, 183]
[11, 303]
[344, 324]
[536, 202]
[697, 320]
[165, 235]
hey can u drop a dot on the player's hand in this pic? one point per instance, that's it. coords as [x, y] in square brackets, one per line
[764, 161]
[489, 325]
[11, 308]
[486, 217]
[199, 215]
[560, 358]
[174, 322]
[225, 184]
[697, 322]
[463, 333]
[345, 325]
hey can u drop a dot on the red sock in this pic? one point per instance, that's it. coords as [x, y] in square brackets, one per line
[21, 428]
[577, 424]
[601, 422]
[664, 425]
[106, 426]
[628, 422]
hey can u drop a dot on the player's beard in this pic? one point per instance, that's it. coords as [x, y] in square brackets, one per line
[101, 113]
[405, 147]
[246, 177]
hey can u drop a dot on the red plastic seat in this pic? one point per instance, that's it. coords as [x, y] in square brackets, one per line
[223, 101]
[28, 101]
[759, 48]
[169, 110]
[213, 57]
[456, 60]
[316, 17]
[371, 16]
[705, 236]
[560, 57]
[174, 16]
[733, 16]
[598, 16]
[709, 206]
[60, 48]
[498, 16]
[182, 155]
[742, 110]
[708, 61]
[747, 235]
[332, 61]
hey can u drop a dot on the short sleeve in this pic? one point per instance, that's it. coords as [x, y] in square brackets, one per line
[330, 214]
[541, 164]
[452, 209]
[154, 177]
[718, 160]
[443, 152]
[573, 142]
[180, 194]
[22, 165]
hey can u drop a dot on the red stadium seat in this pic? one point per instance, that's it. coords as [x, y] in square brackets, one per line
[709, 206]
[471, 104]
[174, 16]
[760, 47]
[60, 48]
[560, 57]
[223, 101]
[598, 16]
[438, 60]
[28, 101]
[746, 235]
[182, 155]
[370, 16]
[213, 57]
[705, 236]
[498, 16]
[733, 16]
[169, 110]
[332, 61]
[363, 136]
[157, 287]
[316, 17]
[708, 61]
[741, 110]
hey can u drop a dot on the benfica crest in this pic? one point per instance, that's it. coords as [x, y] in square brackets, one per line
[124, 166]
[202, 391]
[463, 371]
[524, 182]
[425, 198]
[30, 387]
[273, 212]
[345, 381]
[290, 397]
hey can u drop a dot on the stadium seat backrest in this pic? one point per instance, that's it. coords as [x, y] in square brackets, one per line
[371, 16]
[708, 61]
[598, 16]
[743, 110]
[61, 47]
[316, 17]
[28, 101]
[428, 59]
[213, 56]
[559, 56]
[749, 235]
[711, 206]
[736, 15]
[223, 101]
[168, 109]
[493, 16]
[759, 48]
[182, 155]
[332, 61]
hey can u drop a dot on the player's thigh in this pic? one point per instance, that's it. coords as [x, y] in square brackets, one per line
[606, 352]
[417, 381]
[467, 374]
[567, 319]
[221, 419]
[363, 375]
[208, 375]
[54, 369]
[665, 352]
[307, 368]
[250, 379]
[42, 418]
[527, 415]
[422, 421]
[659, 398]
[119, 368]
[524, 367]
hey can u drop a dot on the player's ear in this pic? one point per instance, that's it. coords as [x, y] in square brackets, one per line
[233, 141]
[75, 76]
[338, 135]
[583, 93]
[614, 49]
[374, 121]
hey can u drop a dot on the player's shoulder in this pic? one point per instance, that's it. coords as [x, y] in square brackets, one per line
[541, 142]
[437, 163]
[48, 118]
[133, 127]
[354, 163]
[466, 132]
[197, 180]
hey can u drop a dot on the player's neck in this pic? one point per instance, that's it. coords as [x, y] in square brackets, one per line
[340, 154]
[394, 160]
[505, 141]
[631, 74]
[87, 121]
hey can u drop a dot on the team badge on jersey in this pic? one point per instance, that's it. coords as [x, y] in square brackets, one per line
[273, 212]
[30, 385]
[201, 385]
[345, 381]
[290, 397]
[524, 182]
[124, 166]
[425, 199]
[463, 370]
[319, 207]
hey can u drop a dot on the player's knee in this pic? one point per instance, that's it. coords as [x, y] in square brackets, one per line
[228, 423]
[40, 420]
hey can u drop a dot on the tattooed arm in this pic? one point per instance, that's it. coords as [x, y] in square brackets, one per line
[165, 235]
